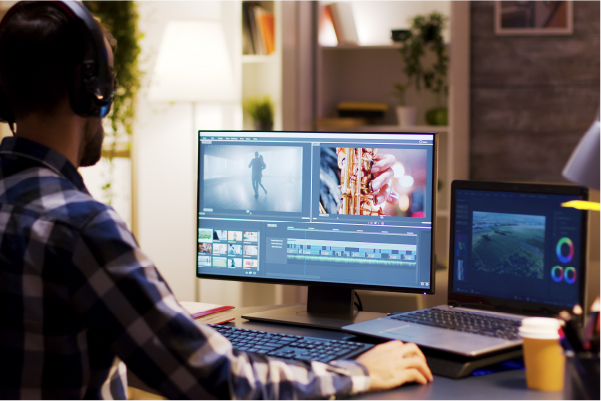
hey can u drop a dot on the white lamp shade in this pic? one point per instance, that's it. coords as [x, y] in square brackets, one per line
[583, 166]
[193, 64]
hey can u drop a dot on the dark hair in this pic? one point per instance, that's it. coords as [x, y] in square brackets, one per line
[40, 49]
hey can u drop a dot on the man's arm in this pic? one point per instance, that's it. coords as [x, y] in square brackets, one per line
[123, 299]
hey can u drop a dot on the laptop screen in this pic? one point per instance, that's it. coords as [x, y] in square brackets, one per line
[521, 246]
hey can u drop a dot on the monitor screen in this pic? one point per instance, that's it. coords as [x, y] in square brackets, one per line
[345, 209]
[519, 245]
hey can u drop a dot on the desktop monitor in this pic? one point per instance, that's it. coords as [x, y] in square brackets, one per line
[332, 211]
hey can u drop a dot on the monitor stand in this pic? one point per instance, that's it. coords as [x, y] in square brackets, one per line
[327, 308]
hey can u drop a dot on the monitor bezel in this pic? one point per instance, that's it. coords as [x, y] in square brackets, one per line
[262, 280]
[508, 305]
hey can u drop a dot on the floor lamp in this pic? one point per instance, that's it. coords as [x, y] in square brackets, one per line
[193, 66]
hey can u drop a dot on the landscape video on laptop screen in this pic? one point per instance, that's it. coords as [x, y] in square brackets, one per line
[521, 246]
[280, 205]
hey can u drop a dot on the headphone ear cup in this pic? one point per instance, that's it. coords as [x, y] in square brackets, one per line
[81, 101]
[6, 113]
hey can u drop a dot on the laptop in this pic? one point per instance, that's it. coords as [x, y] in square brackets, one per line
[514, 252]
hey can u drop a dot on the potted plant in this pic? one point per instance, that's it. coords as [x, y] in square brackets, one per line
[426, 35]
[261, 111]
[406, 115]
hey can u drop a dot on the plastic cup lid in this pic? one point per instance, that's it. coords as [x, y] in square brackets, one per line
[544, 328]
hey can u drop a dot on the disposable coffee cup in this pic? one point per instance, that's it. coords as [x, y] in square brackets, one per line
[543, 356]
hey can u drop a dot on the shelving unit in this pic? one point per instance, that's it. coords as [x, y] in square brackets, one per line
[258, 76]
[369, 72]
[395, 128]
[259, 58]
[362, 47]
[262, 74]
[306, 81]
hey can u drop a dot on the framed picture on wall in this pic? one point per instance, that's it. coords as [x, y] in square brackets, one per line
[534, 17]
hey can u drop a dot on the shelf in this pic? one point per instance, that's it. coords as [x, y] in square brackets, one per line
[390, 128]
[362, 47]
[258, 58]
[395, 46]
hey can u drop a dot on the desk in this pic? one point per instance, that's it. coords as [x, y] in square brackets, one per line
[504, 385]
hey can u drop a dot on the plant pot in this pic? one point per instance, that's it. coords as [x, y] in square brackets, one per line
[398, 35]
[406, 115]
[263, 125]
[438, 116]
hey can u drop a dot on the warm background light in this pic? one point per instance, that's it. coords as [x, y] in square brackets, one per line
[404, 202]
[193, 64]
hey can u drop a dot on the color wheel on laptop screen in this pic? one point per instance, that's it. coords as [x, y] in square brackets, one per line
[559, 250]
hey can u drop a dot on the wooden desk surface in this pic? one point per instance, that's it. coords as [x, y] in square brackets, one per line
[508, 385]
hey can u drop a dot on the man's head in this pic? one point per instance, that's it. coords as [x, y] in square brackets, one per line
[256, 154]
[43, 52]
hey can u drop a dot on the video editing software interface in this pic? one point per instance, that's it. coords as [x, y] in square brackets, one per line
[317, 207]
[521, 246]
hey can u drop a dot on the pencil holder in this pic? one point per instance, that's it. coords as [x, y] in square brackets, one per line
[581, 376]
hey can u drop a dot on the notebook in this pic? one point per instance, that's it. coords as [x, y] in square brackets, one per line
[209, 313]
[515, 251]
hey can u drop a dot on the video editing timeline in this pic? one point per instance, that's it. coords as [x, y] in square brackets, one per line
[349, 252]
[527, 242]
[263, 181]
[231, 249]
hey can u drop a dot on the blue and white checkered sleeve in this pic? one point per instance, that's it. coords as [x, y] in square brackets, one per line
[124, 300]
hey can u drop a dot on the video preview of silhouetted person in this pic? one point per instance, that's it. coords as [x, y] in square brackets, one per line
[257, 164]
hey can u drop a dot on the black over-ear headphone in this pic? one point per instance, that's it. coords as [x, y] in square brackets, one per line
[95, 82]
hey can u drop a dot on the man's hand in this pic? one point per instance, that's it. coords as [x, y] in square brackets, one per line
[393, 363]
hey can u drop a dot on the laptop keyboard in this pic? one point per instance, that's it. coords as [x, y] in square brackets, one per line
[287, 346]
[487, 325]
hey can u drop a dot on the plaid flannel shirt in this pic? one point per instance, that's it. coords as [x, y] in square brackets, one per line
[78, 297]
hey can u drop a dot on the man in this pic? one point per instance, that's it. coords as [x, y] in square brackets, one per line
[78, 297]
[257, 166]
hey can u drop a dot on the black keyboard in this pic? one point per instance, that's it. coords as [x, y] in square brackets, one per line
[289, 346]
[487, 325]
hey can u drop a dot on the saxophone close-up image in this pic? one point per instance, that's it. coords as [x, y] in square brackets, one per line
[373, 182]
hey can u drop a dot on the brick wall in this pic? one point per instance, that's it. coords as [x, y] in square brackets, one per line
[532, 97]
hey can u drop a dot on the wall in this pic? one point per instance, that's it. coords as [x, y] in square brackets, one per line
[532, 97]
[375, 19]
[165, 156]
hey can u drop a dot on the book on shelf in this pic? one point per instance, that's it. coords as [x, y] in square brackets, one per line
[324, 123]
[344, 23]
[209, 313]
[369, 110]
[265, 23]
[248, 46]
[257, 30]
